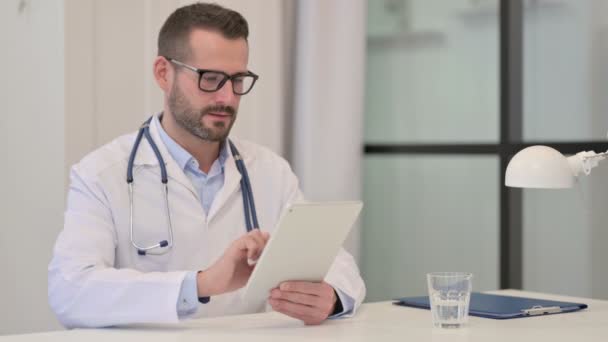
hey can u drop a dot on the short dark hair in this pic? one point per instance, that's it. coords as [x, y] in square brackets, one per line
[173, 39]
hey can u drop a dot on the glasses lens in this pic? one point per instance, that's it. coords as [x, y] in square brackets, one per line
[210, 80]
[242, 84]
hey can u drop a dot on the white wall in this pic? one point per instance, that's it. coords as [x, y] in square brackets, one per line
[32, 149]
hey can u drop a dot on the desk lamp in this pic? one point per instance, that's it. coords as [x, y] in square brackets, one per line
[546, 168]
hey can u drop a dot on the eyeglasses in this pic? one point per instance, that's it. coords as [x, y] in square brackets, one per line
[213, 80]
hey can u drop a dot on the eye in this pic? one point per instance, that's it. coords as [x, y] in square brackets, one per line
[211, 77]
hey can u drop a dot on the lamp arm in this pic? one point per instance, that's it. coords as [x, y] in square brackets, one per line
[583, 162]
[601, 156]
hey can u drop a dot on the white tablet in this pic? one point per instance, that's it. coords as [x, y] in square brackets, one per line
[303, 247]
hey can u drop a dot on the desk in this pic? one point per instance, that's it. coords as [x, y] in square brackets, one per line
[374, 322]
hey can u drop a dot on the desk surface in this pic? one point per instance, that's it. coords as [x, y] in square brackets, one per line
[380, 321]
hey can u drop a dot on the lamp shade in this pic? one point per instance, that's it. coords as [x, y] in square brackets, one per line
[539, 167]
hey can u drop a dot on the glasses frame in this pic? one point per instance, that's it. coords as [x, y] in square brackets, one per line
[227, 77]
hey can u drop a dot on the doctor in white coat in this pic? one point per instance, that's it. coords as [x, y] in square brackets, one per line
[97, 277]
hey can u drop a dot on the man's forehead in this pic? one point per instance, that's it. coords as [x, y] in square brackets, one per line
[203, 38]
[211, 50]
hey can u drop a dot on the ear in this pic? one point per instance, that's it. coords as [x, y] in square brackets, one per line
[163, 73]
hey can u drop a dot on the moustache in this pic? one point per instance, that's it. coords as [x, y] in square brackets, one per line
[218, 109]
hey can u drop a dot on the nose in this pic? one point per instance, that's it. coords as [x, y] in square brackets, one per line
[225, 93]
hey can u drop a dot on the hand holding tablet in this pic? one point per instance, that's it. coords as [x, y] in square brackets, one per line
[302, 247]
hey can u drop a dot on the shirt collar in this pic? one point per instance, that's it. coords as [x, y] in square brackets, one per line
[179, 154]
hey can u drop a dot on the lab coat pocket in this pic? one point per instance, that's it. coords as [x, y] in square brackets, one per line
[156, 259]
[153, 262]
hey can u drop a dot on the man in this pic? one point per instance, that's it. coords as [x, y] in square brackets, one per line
[98, 278]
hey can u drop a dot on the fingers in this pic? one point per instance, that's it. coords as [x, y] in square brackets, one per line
[259, 236]
[309, 315]
[297, 297]
[308, 301]
[321, 289]
[253, 247]
[265, 235]
[253, 243]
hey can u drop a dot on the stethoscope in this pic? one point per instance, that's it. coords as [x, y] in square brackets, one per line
[165, 245]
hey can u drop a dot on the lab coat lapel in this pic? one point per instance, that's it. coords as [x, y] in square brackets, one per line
[145, 156]
[232, 183]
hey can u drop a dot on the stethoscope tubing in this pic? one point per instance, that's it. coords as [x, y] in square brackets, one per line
[251, 219]
[248, 202]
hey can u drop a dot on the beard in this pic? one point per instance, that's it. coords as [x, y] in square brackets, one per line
[191, 119]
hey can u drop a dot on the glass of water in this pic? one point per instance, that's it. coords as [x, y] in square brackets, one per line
[449, 295]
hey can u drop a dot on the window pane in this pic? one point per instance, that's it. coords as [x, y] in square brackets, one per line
[565, 78]
[429, 213]
[432, 71]
[565, 98]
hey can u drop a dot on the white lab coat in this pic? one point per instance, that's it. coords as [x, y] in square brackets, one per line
[96, 277]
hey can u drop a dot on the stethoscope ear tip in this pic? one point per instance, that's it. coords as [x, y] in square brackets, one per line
[141, 252]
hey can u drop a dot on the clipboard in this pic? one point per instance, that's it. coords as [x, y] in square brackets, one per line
[502, 307]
